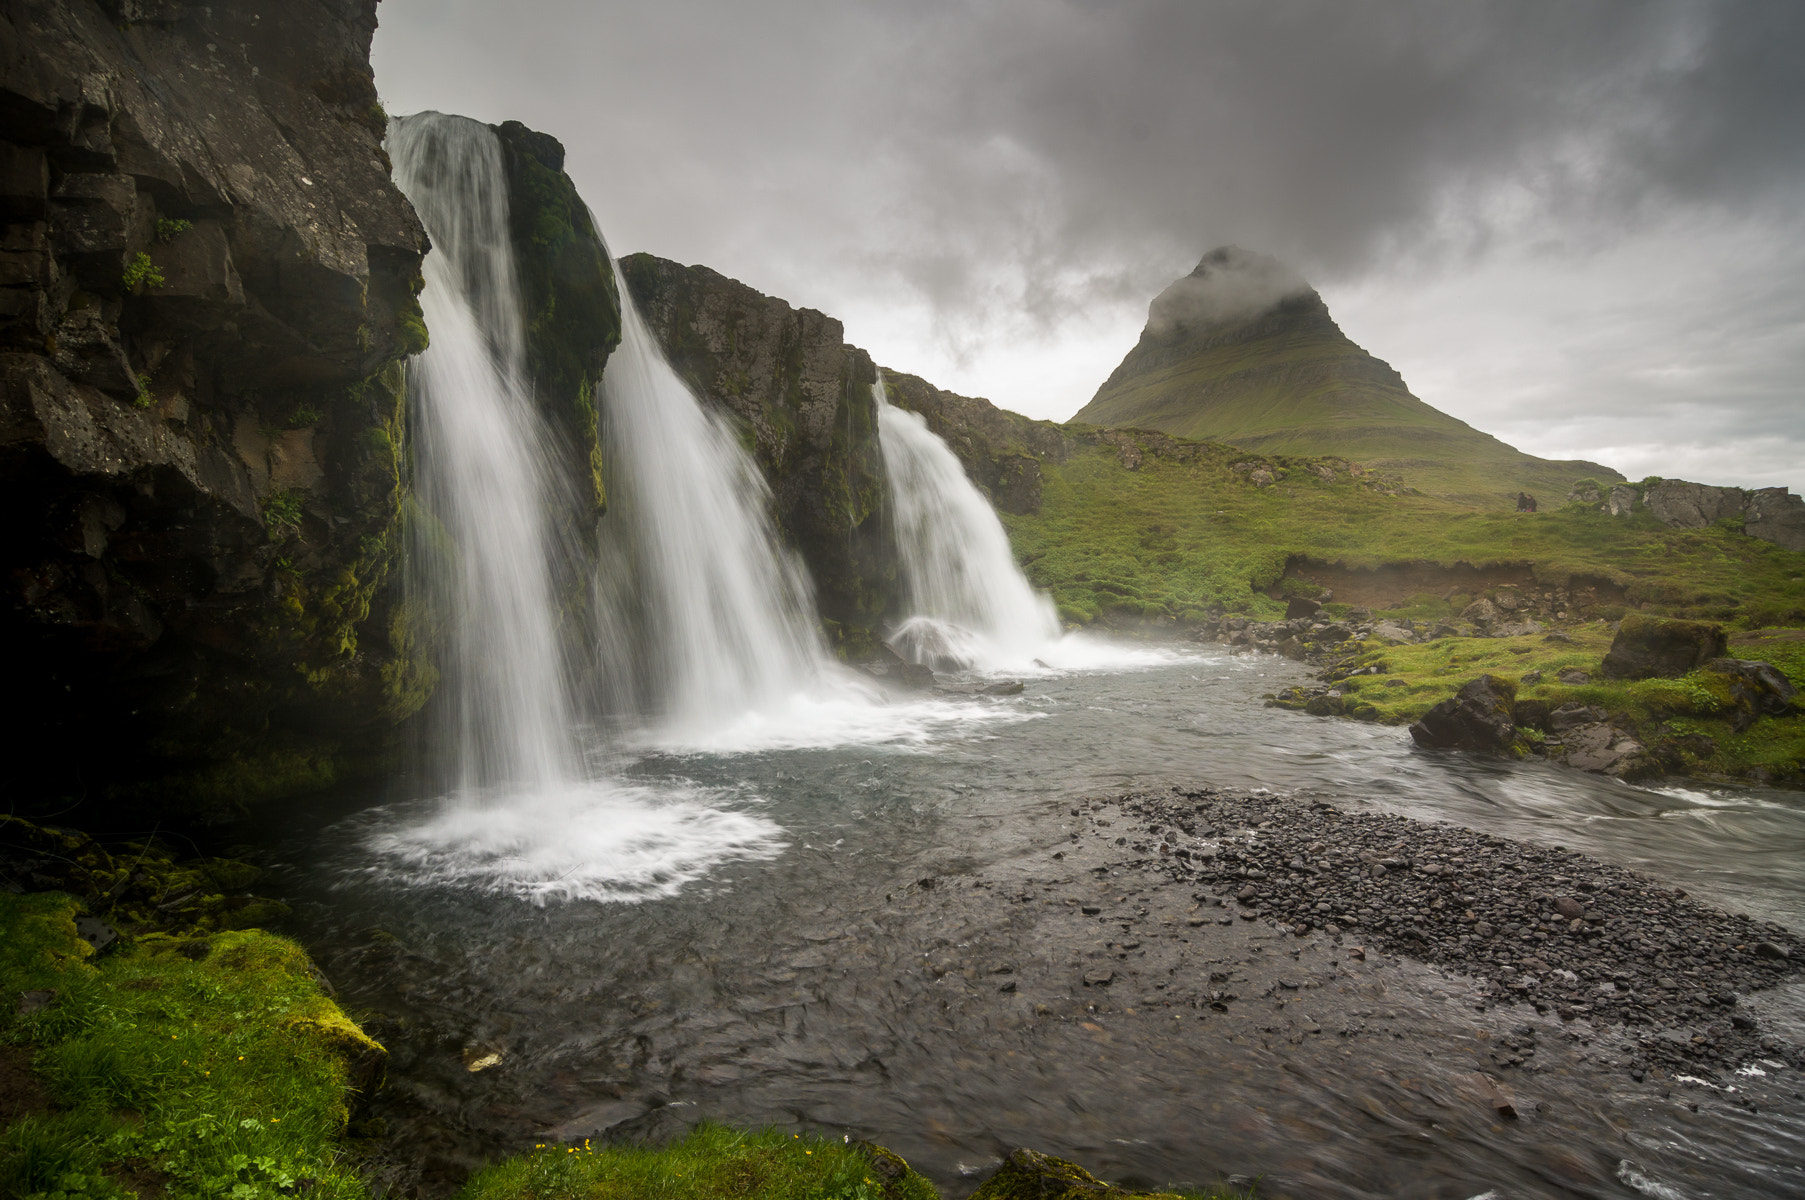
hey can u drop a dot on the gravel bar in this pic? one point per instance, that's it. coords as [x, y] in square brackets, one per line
[1537, 924]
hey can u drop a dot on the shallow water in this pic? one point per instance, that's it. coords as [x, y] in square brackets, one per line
[760, 949]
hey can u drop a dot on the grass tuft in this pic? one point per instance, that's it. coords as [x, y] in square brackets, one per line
[712, 1163]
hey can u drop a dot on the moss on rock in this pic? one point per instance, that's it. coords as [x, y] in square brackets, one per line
[1031, 1175]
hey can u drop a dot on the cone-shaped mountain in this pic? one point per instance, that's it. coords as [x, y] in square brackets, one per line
[1243, 350]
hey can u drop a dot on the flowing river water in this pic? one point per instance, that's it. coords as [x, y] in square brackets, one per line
[742, 932]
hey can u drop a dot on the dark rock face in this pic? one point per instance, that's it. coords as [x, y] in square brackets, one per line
[1477, 718]
[568, 291]
[1299, 607]
[803, 396]
[1647, 647]
[571, 303]
[207, 282]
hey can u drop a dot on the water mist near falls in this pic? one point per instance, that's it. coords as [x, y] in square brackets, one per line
[485, 474]
[968, 602]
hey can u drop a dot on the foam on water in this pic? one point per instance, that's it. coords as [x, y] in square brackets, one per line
[813, 721]
[610, 841]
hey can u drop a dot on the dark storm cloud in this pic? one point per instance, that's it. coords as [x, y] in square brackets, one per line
[1016, 171]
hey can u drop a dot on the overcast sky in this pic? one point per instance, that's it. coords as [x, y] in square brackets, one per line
[1577, 226]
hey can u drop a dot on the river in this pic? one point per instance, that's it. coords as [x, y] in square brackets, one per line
[774, 960]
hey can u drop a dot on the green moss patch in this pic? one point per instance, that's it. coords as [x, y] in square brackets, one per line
[207, 1066]
[712, 1163]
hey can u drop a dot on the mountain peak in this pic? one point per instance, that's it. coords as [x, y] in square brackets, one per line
[1243, 350]
[1229, 285]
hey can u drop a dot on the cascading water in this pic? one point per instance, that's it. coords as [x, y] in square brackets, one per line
[485, 475]
[969, 604]
[523, 818]
[704, 617]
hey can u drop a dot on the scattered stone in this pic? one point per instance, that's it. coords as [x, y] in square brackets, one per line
[96, 932]
[30, 1002]
[1387, 631]
[1300, 607]
[1574, 675]
[1007, 688]
[1098, 978]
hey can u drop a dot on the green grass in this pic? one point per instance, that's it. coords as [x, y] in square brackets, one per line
[1185, 534]
[1416, 678]
[213, 1064]
[711, 1162]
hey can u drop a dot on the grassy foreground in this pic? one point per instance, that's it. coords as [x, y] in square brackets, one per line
[1189, 530]
[193, 1059]
[203, 1067]
[717, 1163]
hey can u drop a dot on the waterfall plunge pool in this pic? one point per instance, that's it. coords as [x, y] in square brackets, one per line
[758, 947]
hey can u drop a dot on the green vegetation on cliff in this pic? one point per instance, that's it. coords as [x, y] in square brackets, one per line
[1243, 351]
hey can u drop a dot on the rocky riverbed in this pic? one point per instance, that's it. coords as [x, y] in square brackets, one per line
[1538, 925]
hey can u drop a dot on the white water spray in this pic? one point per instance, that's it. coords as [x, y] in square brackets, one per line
[969, 604]
[704, 616]
[486, 473]
[524, 820]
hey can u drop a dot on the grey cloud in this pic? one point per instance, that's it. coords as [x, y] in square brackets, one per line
[1229, 284]
[1007, 169]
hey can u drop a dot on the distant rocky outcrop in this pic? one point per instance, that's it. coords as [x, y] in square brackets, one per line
[1242, 350]
[207, 283]
[1772, 514]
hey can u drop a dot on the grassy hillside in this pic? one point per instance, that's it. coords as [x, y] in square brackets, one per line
[1286, 380]
[1190, 528]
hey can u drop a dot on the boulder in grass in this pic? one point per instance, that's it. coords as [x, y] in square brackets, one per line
[1300, 607]
[1650, 647]
[1477, 718]
[1755, 688]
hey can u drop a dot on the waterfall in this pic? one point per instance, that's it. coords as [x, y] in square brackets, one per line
[969, 605]
[704, 616]
[486, 474]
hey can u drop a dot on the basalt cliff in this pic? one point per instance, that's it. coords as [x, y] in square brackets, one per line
[208, 287]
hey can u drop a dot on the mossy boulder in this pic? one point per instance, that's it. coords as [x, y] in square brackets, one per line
[1650, 647]
[1031, 1175]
